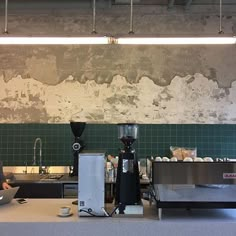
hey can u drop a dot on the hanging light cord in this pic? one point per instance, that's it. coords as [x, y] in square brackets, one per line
[131, 31]
[6, 17]
[220, 29]
[94, 17]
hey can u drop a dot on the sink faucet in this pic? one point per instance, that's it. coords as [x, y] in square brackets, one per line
[25, 171]
[40, 154]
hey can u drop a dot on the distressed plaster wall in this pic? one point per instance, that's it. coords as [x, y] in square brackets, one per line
[113, 83]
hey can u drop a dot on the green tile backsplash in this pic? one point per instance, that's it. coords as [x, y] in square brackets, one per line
[17, 140]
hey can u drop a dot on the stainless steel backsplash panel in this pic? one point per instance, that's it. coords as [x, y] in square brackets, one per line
[193, 173]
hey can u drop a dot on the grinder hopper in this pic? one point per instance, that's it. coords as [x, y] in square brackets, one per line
[77, 128]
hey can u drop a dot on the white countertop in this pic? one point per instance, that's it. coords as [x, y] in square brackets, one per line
[46, 210]
[39, 217]
[37, 210]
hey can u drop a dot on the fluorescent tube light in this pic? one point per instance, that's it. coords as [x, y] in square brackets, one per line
[53, 40]
[175, 40]
[116, 40]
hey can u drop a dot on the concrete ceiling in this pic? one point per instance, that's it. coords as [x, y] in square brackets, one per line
[172, 3]
[178, 2]
[83, 4]
[123, 2]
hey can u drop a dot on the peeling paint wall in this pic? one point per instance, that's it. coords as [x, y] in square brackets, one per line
[113, 83]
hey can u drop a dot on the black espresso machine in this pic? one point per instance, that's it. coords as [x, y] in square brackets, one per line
[78, 145]
[128, 198]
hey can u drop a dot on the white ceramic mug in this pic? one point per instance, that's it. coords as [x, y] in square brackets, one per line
[188, 159]
[158, 159]
[64, 210]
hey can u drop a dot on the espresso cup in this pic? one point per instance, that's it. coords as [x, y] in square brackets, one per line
[64, 210]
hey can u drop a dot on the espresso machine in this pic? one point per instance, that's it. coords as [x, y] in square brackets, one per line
[128, 197]
[78, 145]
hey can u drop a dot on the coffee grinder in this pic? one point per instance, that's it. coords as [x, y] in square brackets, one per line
[128, 197]
[78, 145]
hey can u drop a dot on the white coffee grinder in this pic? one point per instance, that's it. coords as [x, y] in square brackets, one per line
[91, 184]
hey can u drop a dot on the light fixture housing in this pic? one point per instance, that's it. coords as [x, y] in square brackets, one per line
[128, 40]
[133, 40]
[10, 40]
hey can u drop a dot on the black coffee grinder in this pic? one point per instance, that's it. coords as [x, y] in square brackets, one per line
[78, 145]
[128, 197]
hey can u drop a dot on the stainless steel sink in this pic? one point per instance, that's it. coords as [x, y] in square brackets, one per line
[27, 177]
[51, 177]
[35, 177]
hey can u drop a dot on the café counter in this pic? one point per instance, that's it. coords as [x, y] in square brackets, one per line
[39, 217]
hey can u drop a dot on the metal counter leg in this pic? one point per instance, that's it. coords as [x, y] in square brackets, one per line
[159, 213]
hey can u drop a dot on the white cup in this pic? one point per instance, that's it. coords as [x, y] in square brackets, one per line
[173, 159]
[158, 159]
[166, 159]
[198, 159]
[188, 159]
[64, 210]
[208, 159]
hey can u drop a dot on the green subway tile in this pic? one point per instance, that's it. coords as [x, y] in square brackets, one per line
[17, 140]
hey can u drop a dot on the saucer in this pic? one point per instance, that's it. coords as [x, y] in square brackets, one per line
[65, 215]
